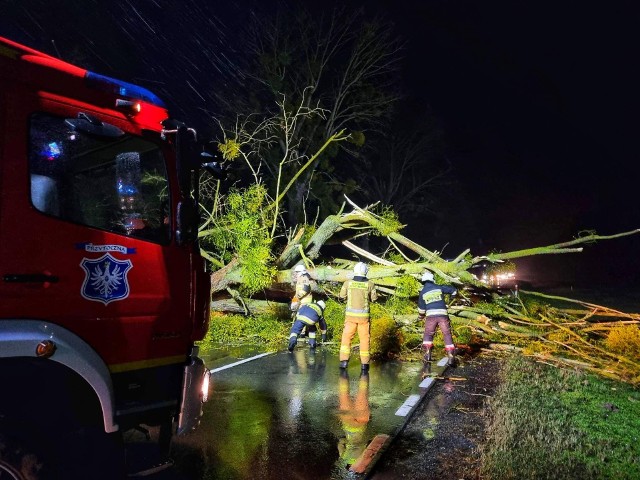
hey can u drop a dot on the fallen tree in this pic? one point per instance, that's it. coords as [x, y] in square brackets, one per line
[363, 221]
[578, 335]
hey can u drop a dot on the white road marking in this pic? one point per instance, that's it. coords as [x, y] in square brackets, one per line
[241, 362]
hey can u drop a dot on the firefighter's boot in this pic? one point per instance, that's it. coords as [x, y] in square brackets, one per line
[343, 364]
[427, 353]
[292, 344]
[451, 358]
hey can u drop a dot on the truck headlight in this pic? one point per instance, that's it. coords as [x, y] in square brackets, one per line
[205, 385]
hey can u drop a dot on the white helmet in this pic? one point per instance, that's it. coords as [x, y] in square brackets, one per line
[321, 304]
[300, 269]
[361, 269]
[427, 276]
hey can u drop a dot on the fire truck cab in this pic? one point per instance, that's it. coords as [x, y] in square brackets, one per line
[103, 291]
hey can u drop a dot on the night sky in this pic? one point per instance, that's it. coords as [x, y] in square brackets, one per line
[539, 101]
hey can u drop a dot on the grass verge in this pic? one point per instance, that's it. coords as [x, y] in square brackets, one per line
[548, 423]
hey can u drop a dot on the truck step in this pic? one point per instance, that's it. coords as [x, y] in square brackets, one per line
[151, 470]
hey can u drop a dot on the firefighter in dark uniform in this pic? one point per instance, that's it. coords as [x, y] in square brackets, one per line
[433, 310]
[310, 316]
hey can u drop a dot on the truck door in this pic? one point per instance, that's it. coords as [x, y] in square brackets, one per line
[86, 237]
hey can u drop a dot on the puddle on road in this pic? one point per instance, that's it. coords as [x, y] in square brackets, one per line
[290, 416]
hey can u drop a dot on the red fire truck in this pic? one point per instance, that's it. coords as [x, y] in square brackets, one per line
[103, 291]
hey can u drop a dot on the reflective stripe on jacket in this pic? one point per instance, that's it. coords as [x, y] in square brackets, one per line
[303, 289]
[312, 314]
[358, 292]
[431, 299]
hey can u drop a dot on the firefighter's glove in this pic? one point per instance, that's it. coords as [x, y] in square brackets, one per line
[324, 337]
[422, 316]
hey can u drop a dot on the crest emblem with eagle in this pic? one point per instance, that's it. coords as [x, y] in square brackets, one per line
[105, 279]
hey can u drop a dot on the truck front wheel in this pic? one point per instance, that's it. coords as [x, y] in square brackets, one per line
[21, 461]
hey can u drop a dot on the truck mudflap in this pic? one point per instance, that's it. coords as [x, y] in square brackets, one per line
[195, 391]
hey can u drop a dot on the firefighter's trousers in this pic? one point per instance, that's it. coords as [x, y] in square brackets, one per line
[430, 324]
[296, 329]
[351, 325]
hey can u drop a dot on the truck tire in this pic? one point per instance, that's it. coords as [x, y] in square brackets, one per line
[90, 455]
[63, 429]
[20, 461]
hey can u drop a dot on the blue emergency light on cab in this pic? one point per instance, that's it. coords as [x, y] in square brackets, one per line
[118, 87]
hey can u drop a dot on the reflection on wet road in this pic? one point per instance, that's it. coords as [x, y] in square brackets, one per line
[290, 416]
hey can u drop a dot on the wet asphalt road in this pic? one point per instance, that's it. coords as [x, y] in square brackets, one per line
[444, 438]
[289, 416]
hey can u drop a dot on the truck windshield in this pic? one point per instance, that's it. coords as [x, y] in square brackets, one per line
[114, 184]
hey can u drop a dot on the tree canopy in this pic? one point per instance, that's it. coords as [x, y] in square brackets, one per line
[303, 79]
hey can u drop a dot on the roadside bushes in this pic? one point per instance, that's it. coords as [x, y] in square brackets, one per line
[267, 330]
[624, 340]
[386, 338]
[334, 316]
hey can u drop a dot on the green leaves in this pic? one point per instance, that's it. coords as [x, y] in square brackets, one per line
[386, 222]
[230, 149]
[241, 230]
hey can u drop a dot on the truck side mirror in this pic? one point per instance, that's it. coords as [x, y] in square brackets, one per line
[185, 146]
[211, 164]
[187, 222]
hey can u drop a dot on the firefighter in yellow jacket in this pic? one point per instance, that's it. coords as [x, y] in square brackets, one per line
[359, 292]
[303, 295]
